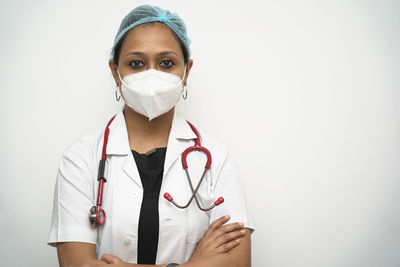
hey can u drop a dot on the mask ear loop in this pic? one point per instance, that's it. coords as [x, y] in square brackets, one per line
[118, 96]
[120, 78]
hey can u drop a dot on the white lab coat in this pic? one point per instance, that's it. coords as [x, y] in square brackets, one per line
[179, 230]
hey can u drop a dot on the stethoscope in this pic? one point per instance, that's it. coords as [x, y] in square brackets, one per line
[97, 215]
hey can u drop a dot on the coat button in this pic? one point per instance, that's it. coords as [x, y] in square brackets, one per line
[127, 241]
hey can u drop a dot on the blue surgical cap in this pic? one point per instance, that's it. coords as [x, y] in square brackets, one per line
[147, 13]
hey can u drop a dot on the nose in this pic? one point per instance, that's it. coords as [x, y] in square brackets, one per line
[152, 65]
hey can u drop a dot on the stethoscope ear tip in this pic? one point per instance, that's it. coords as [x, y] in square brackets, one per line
[168, 197]
[219, 201]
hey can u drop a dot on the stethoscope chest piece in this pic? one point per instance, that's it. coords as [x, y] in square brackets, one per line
[97, 216]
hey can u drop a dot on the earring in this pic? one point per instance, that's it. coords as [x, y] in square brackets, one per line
[117, 96]
[184, 94]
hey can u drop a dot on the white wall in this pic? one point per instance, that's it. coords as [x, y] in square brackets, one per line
[305, 93]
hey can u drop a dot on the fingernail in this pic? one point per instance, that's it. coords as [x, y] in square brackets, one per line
[243, 231]
[241, 224]
[237, 240]
[227, 217]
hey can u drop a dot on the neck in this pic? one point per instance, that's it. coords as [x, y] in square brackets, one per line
[145, 135]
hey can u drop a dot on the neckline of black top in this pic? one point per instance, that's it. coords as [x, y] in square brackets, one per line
[150, 152]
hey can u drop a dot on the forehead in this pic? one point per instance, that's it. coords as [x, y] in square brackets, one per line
[150, 37]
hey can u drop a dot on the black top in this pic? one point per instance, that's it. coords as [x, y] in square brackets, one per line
[151, 169]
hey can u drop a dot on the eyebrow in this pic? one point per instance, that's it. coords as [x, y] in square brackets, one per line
[143, 54]
[167, 52]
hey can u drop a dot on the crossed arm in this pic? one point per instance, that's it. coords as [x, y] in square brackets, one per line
[221, 246]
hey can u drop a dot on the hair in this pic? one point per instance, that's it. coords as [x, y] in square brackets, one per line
[118, 46]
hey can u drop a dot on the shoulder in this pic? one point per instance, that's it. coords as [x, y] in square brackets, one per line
[212, 143]
[85, 141]
[89, 146]
[84, 148]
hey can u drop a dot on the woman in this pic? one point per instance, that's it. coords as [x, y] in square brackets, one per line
[143, 144]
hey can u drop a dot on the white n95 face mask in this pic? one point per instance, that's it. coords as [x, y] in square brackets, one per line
[151, 92]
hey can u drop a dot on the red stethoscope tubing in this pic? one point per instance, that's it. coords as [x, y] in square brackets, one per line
[101, 214]
[197, 147]
[101, 177]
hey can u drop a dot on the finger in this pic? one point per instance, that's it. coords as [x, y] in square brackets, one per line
[111, 259]
[228, 237]
[226, 229]
[212, 237]
[217, 224]
[81, 265]
[231, 227]
[228, 246]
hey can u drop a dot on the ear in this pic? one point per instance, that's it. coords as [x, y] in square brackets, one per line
[113, 68]
[188, 67]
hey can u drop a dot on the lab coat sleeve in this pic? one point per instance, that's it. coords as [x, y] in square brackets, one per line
[73, 197]
[227, 183]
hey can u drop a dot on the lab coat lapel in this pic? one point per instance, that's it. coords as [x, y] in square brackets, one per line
[129, 167]
[179, 134]
[118, 144]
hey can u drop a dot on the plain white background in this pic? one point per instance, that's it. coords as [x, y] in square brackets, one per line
[305, 93]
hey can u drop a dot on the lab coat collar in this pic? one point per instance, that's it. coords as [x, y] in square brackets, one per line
[118, 143]
[180, 132]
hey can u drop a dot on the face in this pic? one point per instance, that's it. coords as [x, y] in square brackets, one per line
[150, 46]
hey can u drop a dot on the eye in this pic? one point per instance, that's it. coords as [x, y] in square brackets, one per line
[136, 64]
[166, 64]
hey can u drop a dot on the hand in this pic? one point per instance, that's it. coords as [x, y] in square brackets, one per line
[114, 260]
[218, 239]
